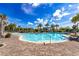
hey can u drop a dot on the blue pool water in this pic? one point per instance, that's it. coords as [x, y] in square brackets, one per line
[43, 37]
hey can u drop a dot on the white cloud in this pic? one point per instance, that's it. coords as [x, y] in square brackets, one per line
[41, 21]
[54, 23]
[35, 22]
[27, 10]
[70, 18]
[70, 5]
[59, 13]
[78, 7]
[51, 20]
[35, 4]
[62, 9]
[50, 4]
[45, 22]
[64, 14]
[29, 23]
[65, 24]
[38, 21]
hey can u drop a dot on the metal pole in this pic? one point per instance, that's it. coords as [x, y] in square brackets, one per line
[50, 38]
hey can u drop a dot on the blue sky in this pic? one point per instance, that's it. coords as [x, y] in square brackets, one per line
[31, 14]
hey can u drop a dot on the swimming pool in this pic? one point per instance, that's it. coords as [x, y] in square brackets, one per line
[43, 37]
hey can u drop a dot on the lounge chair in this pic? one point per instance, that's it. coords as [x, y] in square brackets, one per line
[74, 39]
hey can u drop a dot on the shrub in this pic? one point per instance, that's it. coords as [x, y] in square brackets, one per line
[1, 45]
[8, 35]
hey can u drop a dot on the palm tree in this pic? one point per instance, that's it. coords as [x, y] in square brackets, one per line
[47, 26]
[19, 28]
[52, 27]
[62, 29]
[39, 27]
[74, 20]
[67, 29]
[12, 27]
[2, 24]
[56, 27]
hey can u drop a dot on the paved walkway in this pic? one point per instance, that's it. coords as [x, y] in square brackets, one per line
[14, 47]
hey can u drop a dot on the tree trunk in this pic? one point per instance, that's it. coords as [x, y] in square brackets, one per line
[75, 33]
[2, 29]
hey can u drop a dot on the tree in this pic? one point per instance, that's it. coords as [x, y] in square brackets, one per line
[62, 29]
[3, 23]
[68, 29]
[56, 27]
[52, 27]
[47, 26]
[39, 26]
[19, 28]
[11, 27]
[74, 20]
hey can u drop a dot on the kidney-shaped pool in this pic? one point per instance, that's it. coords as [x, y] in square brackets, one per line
[43, 37]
